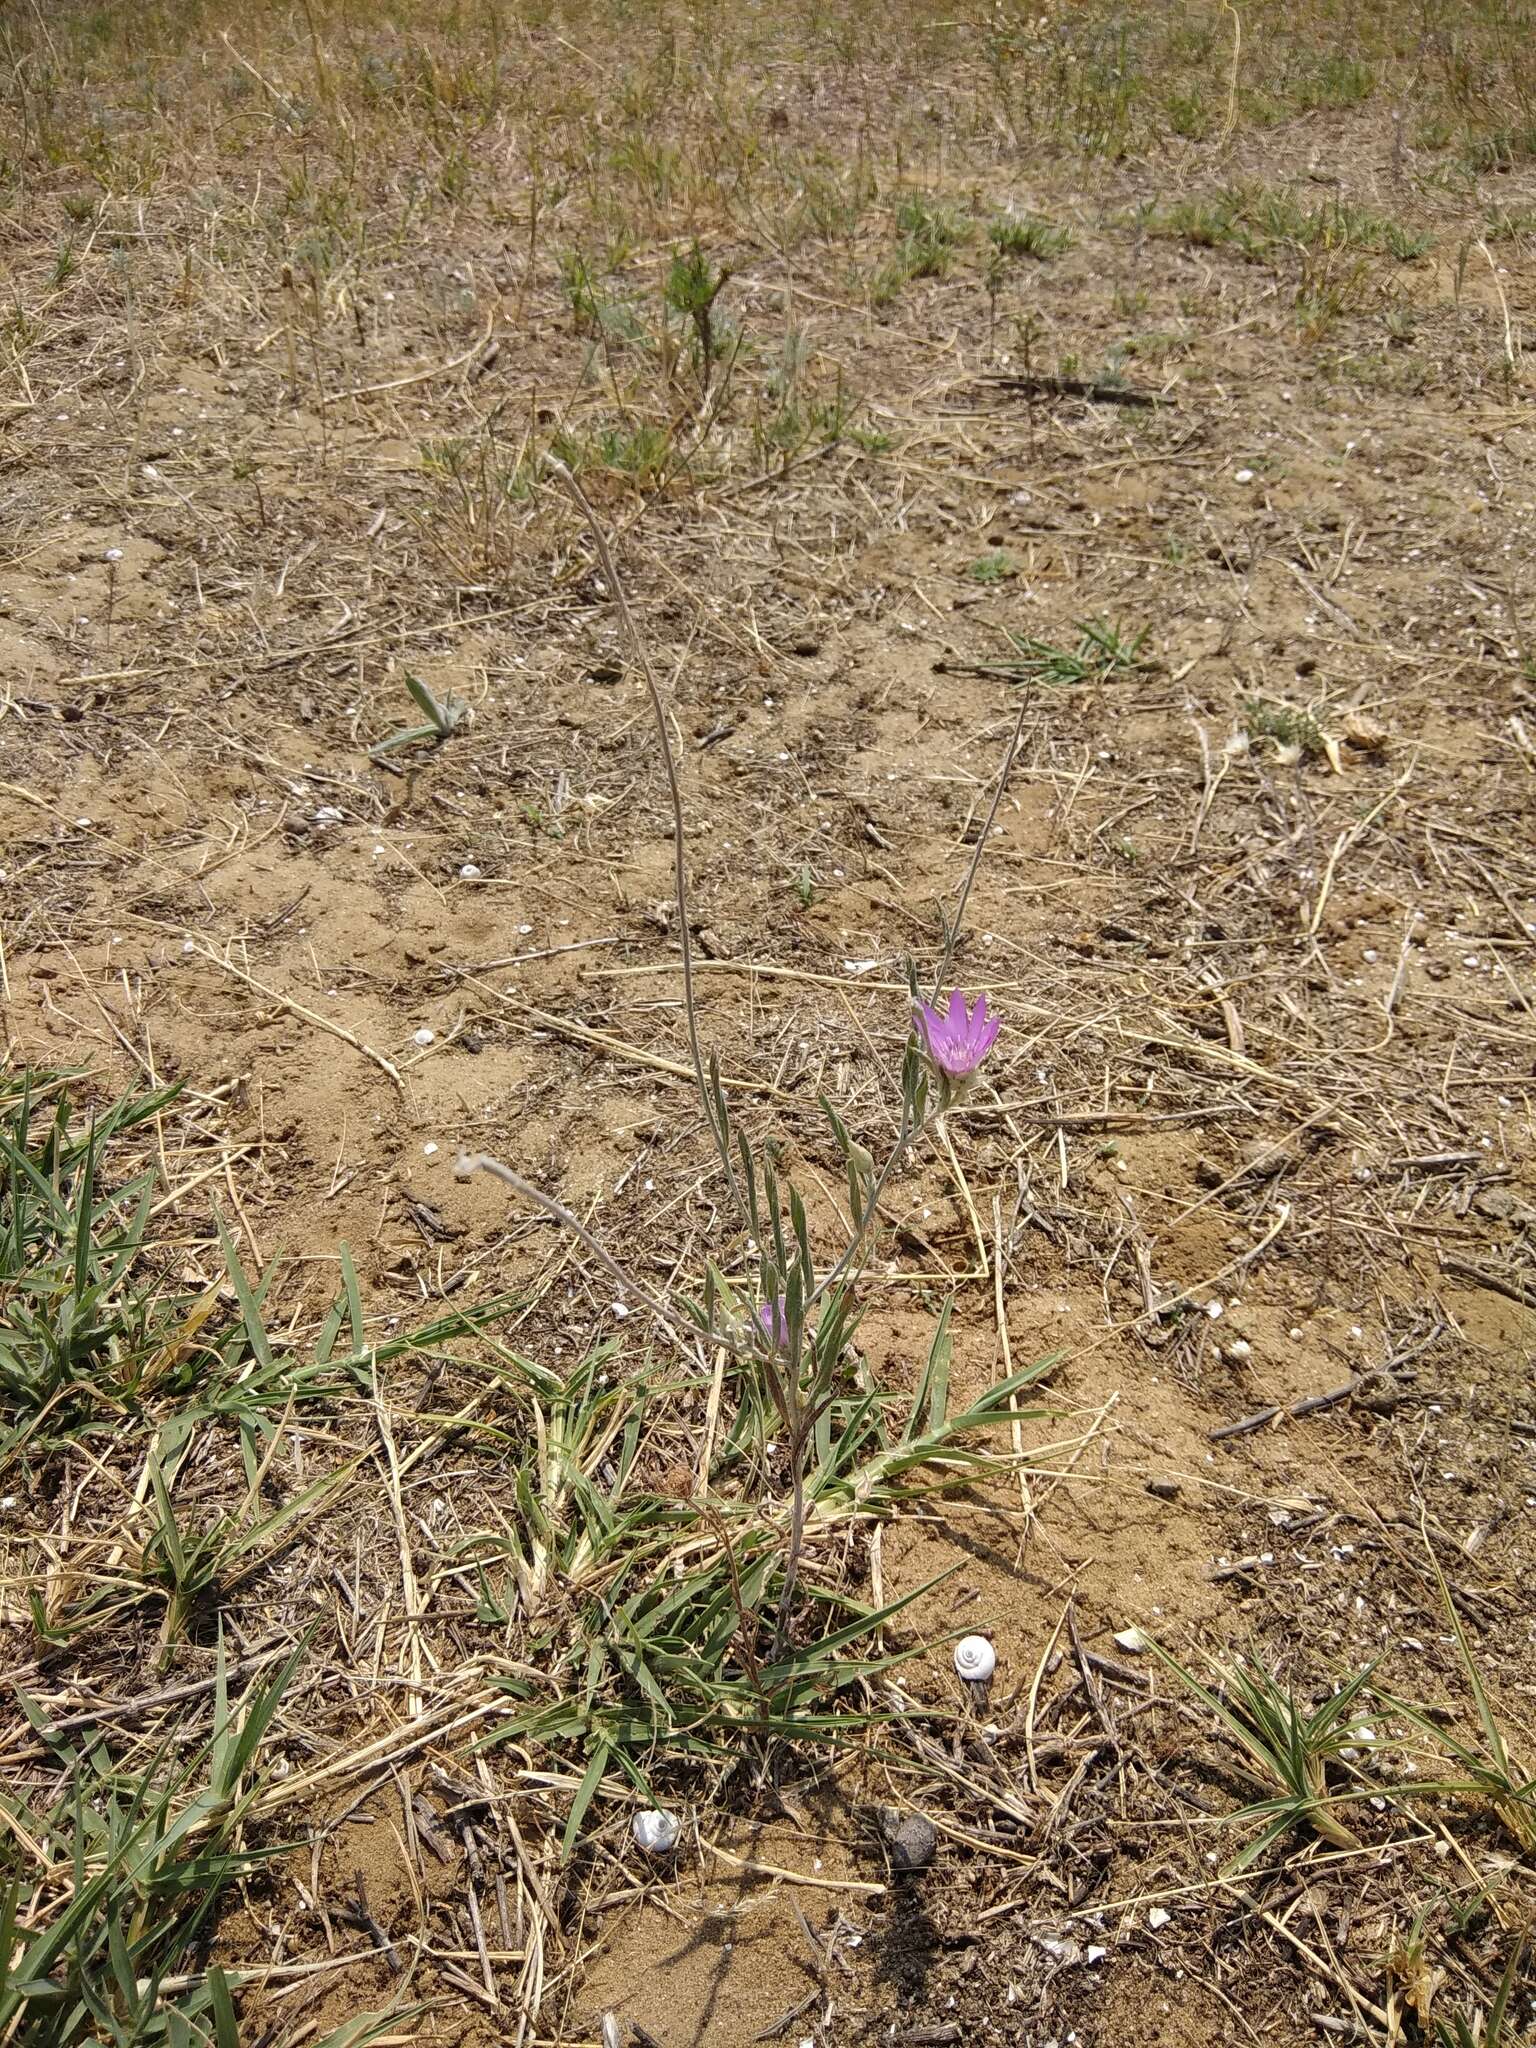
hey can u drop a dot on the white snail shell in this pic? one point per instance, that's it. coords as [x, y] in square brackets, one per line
[975, 1659]
[655, 1832]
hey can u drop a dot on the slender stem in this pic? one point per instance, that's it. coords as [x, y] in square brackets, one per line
[906, 1136]
[674, 786]
[795, 1543]
[953, 935]
[911, 1129]
[941, 1126]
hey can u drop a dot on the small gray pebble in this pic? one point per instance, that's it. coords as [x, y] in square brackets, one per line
[910, 1838]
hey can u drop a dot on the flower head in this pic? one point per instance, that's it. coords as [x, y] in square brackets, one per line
[773, 1323]
[959, 1038]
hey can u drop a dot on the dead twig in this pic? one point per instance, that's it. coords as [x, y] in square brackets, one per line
[1043, 386]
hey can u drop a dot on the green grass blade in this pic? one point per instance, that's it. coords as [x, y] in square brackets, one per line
[250, 1311]
[586, 1792]
[932, 1393]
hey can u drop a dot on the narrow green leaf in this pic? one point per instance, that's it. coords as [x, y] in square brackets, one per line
[255, 1329]
[585, 1794]
[226, 2028]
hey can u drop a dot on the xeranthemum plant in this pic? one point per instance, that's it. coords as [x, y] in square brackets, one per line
[808, 1418]
[956, 1039]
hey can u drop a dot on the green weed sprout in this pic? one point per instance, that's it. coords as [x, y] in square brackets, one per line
[445, 716]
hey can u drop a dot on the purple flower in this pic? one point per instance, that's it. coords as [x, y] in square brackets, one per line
[958, 1039]
[773, 1323]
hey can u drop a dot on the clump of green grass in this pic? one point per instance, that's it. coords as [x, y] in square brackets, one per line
[114, 1884]
[639, 450]
[83, 1331]
[1503, 147]
[1406, 245]
[1206, 220]
[1103, 650]
[1294, 731]
[1016, 235]
[118, 1853]
[1509, 224]
[1336, 81]
[1188, 113]
[1326, 291]
[653, 1619]
[798, 406]
[598, 312]
[1294, 1747]
[1290, 1748]
[930, 234]
[1494, 1772]
[1261, 221]
[931, 231]
[94, 1338]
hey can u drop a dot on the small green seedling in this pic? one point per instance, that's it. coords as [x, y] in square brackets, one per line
[996, 566]
[445, 716]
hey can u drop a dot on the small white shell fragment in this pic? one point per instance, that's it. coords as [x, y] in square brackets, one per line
[655, 1832]
[428, 1150]
[1158, 1917]
[1096, 1953]
[469, 872]
[1243, 476]
[1215, 1309]
[423, 1036]
[975, 1659]
[1131, 1640]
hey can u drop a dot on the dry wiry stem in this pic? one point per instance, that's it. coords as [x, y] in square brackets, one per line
[479, 1162]
[679, 848]
[956, 924]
